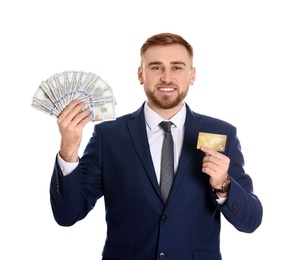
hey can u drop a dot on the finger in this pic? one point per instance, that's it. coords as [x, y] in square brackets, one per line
[211, 166]
[209, 151]
[222, 163]
[80, 116]
[212, 159]
[215, 156]
[69, 108]
[74, 112]
[208, 171]
[85, 120]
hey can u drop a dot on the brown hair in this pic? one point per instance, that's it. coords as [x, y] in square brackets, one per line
[166, 39]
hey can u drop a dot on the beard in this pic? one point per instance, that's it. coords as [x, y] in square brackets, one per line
[166, 102]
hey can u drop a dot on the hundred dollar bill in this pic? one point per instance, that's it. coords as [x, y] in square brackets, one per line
[54, 94]
[60, 84]
[103, 111]
[70, 82]
[43, 109]
[45, 87]
[89, 80]
[43, 100]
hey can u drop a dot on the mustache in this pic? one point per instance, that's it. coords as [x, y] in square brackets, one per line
[166, 84]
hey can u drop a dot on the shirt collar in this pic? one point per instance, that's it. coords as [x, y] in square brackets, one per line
[153, 119]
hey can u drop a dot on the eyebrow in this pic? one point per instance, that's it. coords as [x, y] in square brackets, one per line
[172, 63]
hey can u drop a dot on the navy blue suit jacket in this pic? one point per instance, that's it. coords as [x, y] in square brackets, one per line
[117, 165]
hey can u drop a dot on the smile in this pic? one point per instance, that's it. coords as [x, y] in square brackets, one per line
[166, 89]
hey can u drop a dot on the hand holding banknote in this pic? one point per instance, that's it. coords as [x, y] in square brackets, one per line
[71, 123]
[74, 98]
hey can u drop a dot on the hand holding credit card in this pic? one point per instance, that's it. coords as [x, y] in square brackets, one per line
[216, 142]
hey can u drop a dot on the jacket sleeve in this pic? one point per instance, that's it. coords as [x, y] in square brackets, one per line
[243, 208]
[73, 196]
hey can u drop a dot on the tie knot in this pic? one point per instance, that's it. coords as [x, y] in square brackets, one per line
[166, 126]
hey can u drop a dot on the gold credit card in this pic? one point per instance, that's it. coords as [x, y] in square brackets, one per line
[216, 142]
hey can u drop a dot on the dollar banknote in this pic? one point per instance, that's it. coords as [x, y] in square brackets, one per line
[59, 90]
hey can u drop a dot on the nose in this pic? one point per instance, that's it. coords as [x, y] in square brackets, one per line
[166, 77]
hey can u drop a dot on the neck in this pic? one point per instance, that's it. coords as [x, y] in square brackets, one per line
[166, 114]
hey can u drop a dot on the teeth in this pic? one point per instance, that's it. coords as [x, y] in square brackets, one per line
[166, 89]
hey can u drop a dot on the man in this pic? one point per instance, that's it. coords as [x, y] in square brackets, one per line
[122, 163]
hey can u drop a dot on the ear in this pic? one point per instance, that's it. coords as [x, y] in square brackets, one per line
[192, 76]
[140, 75]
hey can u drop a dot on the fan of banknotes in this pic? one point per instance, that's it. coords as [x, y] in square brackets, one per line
[55, 93]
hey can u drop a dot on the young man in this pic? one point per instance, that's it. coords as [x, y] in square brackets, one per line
[122, 162]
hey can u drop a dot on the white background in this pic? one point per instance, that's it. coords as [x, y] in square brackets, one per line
[247, 57]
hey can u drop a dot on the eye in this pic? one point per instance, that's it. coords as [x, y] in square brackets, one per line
[155, 68]
[177, 68]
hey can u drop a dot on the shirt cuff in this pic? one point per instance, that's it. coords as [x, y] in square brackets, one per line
[66, 167]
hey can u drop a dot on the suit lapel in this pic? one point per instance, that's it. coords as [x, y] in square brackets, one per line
[192, 128]
[137, 131]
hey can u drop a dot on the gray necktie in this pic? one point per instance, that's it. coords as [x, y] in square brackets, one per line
[167, 160]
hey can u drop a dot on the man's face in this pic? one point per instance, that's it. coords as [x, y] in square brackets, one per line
[166, 73]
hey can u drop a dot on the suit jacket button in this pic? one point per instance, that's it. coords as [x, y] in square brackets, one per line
[165, 218]
[162, 256]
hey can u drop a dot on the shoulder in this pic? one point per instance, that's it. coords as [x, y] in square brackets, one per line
[113, 124]
[209, 123]
[120, 121]
[213, 120]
